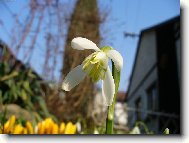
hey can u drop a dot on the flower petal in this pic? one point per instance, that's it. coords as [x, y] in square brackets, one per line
[80, 43]
[108, 87]
[74, 77]
[117, 58]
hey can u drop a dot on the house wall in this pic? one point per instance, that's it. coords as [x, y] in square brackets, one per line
[141, 92]
[143, 62]
[155, 80]
[145, 74]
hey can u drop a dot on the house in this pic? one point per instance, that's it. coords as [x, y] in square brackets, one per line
[154, 88]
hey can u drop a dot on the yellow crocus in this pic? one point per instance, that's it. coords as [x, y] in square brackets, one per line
[48, 125]
[25, 131]
[9, 125]
[70, 128]
[18, 129]
[29, 128]
[62, 128]
[41, 128]
[55, 129]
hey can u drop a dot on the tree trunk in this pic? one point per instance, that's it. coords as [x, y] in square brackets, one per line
[84, 23]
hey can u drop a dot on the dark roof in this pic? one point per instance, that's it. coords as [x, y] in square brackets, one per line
[167, 22]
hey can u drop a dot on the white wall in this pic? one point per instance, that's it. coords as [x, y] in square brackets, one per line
[145, 60]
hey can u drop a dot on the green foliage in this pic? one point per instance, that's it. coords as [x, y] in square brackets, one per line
[22, 87]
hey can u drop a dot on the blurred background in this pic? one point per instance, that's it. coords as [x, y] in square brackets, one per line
[35, 56]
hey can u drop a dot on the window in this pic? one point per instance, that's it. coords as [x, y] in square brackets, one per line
[152, 99]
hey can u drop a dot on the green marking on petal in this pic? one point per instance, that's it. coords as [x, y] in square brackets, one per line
[106, 49]
[95, 66]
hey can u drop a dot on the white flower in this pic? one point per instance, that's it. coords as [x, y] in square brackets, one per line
[78, 125]
[135, 130]
[95, 66]
[96, 132]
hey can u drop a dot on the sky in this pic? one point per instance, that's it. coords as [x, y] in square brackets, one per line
[134, 16]
[123, 16]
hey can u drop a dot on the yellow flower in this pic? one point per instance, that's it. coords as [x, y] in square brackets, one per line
[48, 125]
[55, 129]
[9, 125]
[70, 128]
[25, 131]
[18, 129]
[29, 128]
[41, 128]
[62, 128]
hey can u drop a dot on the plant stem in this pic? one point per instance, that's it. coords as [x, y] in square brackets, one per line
[110, 114]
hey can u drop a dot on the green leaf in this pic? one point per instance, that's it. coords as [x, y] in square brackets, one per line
[26, 86]
[43, 105]
[1, 98]
[23, 95]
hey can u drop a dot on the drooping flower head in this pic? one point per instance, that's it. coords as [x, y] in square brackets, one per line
[95, 66]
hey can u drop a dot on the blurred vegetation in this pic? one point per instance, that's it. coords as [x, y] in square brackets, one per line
[21, 89]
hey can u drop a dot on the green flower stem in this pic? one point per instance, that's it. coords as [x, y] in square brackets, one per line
[110, 115]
